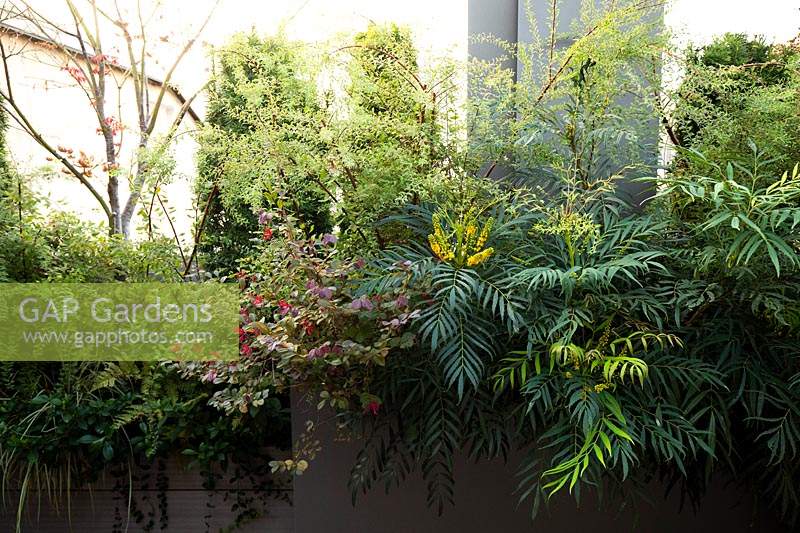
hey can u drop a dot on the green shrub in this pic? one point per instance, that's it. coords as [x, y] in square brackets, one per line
[614, 343]
[736, 91]
[389, 142]
[64, 248]
[261, 142]
[337, 158]
[63, 425]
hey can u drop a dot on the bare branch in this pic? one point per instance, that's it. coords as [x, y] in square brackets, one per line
[199, 232]
[172, 227]
[171, 71]
[19, 117]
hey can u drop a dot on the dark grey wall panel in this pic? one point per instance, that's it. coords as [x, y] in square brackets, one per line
[485, 502]
[497, 18]
[93, 511]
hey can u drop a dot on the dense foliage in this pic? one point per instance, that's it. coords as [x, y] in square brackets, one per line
[531, 284]
[735, 91]
[547, 313]
[261, 141]
[344, 157]
[65, 425]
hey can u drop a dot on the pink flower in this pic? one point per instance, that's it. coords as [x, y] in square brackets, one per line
[329, 239]
[401, 301]
[362, 303]
[323, 350]
[210, 376]
[76, 73]
[320, 351]
[323, 292]
[103, 58]
[393, 323]
[270, 343]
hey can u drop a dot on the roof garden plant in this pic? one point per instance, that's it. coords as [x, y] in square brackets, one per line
[533, 303]
[510, 274]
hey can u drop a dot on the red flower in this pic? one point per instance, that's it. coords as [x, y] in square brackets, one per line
[373, 407]
[284, 308]
[246, 350]
[308, 326]
[258, 300]
[103, 58]
[113, 124]
[267, 233]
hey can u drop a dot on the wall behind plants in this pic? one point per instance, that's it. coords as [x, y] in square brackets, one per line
[104, 509]
[486, 499]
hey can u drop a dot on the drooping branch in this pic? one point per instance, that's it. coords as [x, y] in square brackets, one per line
[17, 114]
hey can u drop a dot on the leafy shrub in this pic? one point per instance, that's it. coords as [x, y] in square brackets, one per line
[736, 91]
[388, 154]
[262, 140]
[345, 158]
[564, 324]
[738, 266]
[63, 425]
[64, 248]
[612, 342]
[304, 320]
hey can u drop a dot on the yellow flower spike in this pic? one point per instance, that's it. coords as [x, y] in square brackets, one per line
[480, 257]
[435, 247]
[462, 242]
[484, 236]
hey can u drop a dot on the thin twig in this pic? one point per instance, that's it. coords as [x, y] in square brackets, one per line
[172, 227]
[199, 233]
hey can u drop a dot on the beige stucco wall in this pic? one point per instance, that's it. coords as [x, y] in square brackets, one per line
[58, 108]
[62, 111]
